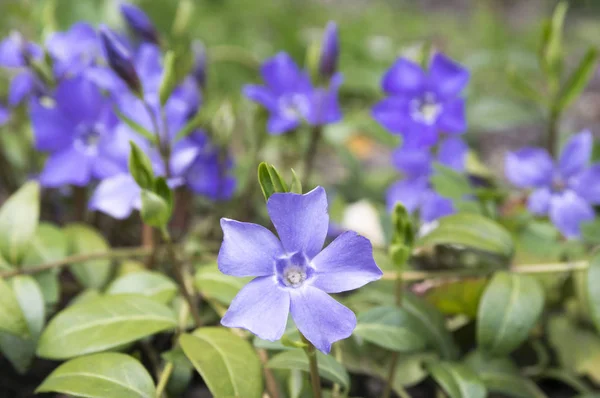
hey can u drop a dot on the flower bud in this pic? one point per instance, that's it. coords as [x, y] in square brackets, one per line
[330, 51]
[139, 23]
[120, 60]
[199, 69]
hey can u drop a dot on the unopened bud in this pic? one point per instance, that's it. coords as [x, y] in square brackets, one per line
[140, 23]
[330, 51]
[120, 60]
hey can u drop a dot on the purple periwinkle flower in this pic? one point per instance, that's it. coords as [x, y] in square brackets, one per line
[74, 50]
[16, 52]
[120, 59]
[415, 191]
[421, 104]
[565, 191]
[77, 131]
[290, 97]
[199, 68]
[139, 22]
[4, 115]
[292, 273]
[330, 51]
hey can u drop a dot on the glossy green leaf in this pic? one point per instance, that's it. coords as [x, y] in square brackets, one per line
[12, 319]
[578, 79]
[270, 180]
[501, 375]
[470, 230]
[392, 328]
[101, 375]
[508, 310]
[85, 240]
[457, 297]
[169, 77]
[457, 380]
[227, 363]
[329, 368]
[450, 183]
[214, 284]
[140, 167]
[433, 325]
[155, 210]
[18, 350]
[102, 323]
[148, 283]
[19, 217]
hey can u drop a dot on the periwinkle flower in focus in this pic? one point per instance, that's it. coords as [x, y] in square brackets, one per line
[77, 131]
[139, 22]
[120, 60]
[290, 97]
[330, 51]
[421, 104]
[292, 273]
[565, 191]
[415, 191]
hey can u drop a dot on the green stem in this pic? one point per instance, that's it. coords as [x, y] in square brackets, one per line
[315, 379]
[178, 270]
[552, 143]
[311, 152]
[164, 379]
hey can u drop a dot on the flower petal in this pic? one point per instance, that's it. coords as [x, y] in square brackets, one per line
[393, 114]
[260, 94]
[411, 161]
[281, 73]
[452, 153]
[435, 206]
[403, 78]
[346, 264]
[529, 167]
[576, 154]
[409, 192]
[67, 167]
[568, 211]
[539, 201]
[320, 318]
[278, 124]
[300, 220]
[587, 184]
[4, 115]
[21, 87]
[248, 249]
[117, 196]
[79, 99]
[453, 119]
[261, 307]
[446, 77]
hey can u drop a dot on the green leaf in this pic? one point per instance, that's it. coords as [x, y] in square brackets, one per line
[501, 375]
[508, 310]
[433, 325]
[593, 292]
[270, 180]
[155, 210]
[296, 186]
[49, 244]
[578, 79]
[19, 218]
[85, 240]
[471, 230]
[12, 319]
[457, 297]
[148, 283]
[135, 126]
[392, 328]
[522, 86]
[101, 375]
[140, 167]
[103, 323]
[21, 351]
[169, 77]
[329, 368]
[450, 183]
[457, 380]
[213, 284]
[227, 363]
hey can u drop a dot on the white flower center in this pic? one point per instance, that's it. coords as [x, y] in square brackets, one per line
[294, 276]
[425, 109]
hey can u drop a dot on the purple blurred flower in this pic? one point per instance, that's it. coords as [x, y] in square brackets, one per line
[199, 69]
[4, 115]
[139, 22]
[74, 50]
[16, 52]
[292, 274]
[77, 132]
[565, 191]
[117, 196]
[422, 104]
[120, 60]
[415, 191]
[290, 97]
[330, 51]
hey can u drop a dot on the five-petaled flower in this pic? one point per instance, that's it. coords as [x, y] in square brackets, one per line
[290, 97]
[415, 191]
[293, 275]
[421, 104]
[565, 191]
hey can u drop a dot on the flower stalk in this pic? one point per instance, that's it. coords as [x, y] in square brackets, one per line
[311, 152]
[315, 379]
